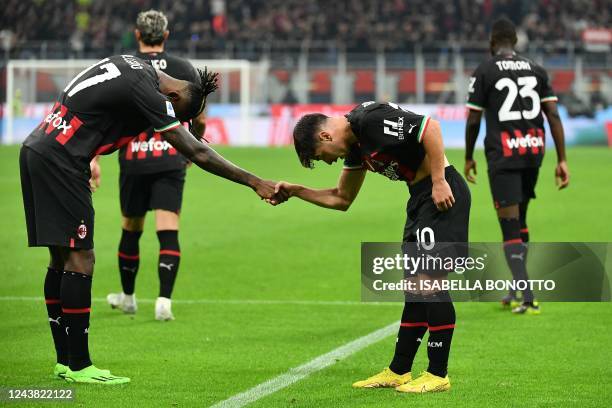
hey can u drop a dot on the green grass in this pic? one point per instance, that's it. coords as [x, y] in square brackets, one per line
[236, 247]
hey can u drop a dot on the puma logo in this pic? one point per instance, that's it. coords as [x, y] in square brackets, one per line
[520, 256]
[56, 321]
[419, 340]
[132, 269]
[167, 266]
[411, 127]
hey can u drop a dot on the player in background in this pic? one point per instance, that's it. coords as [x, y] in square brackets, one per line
[404, 146]
[513, 92]
[99, 111]
[152, 176]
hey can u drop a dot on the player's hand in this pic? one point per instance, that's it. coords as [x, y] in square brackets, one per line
[96, 175]
[470, 165]
[442, 195]
[282, 192]
[264, 188]
[562, 175]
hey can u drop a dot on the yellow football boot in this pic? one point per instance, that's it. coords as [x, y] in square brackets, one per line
[385, 379]
[427, 382]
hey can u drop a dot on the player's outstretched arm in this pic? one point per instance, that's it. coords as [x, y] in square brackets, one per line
[562, 175]
[209, 160]
[338, 198]
[441, 193]
[472, 127]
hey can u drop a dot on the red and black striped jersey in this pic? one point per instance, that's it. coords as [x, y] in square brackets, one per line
[389, 140]
[148, 152]
[510, 90]
[100, 110]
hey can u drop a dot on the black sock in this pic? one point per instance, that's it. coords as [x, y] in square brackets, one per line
[411, 332]
[523, 221]
[169, 258]
[53, 282]
[129, 259]
[441, 321]
[76, 307]
[516, 252]
[524, 229]
[524, 234]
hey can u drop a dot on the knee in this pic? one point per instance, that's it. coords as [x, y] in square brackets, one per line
[166, 220]
[508, 212]
[133, 224]
[81, 261]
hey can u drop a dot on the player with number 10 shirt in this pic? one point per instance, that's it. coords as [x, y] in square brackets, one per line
[403, 146]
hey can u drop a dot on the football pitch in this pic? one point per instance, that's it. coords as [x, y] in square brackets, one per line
[262, 290]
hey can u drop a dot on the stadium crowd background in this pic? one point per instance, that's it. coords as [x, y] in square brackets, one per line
[319, 51]
[95, 28]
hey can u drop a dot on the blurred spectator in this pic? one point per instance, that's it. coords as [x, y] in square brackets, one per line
[105, 25]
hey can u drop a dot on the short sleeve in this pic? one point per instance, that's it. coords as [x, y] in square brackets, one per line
[476, 90]
[546, 92]
[353, 160]
[153, 105]
[422, 123]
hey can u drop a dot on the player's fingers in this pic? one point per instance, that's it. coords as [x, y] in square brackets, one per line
[284, 194]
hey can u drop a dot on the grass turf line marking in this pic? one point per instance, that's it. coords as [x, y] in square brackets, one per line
[299, 373]
[226, 301]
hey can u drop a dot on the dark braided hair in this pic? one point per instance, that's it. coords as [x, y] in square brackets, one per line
[207, 84]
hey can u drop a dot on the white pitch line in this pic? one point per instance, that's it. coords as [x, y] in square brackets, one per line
[299, 373]
[226, 301]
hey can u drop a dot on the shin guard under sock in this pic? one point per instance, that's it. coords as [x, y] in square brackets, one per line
[76, 306]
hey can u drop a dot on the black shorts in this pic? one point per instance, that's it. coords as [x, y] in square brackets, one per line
[513, 186]
[140, 193]
[57, 203]
[426, 224]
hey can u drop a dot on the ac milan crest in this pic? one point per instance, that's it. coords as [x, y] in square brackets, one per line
[82, 231]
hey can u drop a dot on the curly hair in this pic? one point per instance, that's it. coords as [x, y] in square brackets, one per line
[152, 25]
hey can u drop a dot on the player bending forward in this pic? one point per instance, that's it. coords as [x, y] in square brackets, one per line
[152, 176]
[401, 145]
[120, 95]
